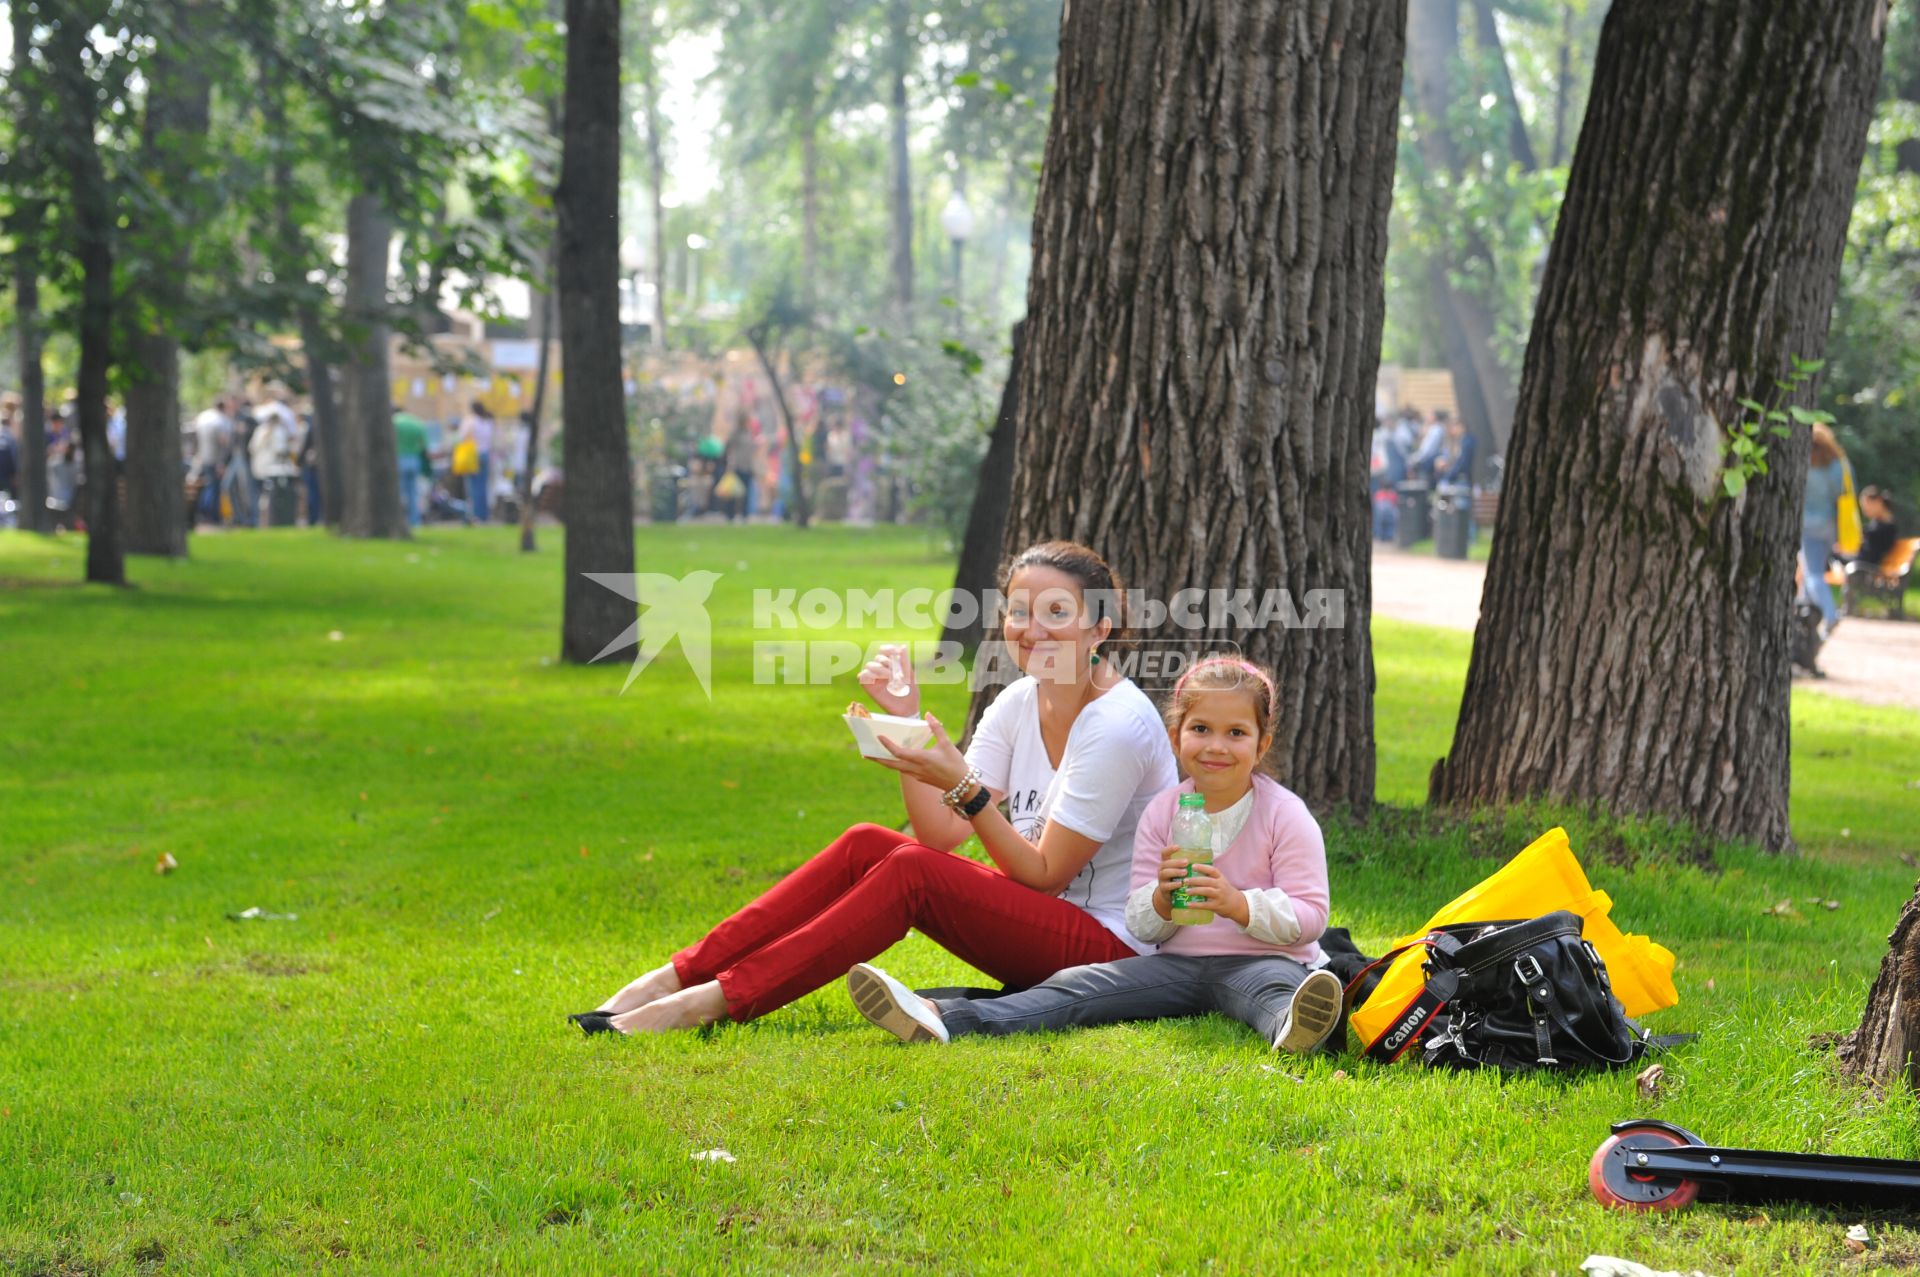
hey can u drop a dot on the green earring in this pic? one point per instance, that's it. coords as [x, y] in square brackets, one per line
[1093, 658]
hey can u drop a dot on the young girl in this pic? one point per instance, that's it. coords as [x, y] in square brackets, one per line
[1257, 960]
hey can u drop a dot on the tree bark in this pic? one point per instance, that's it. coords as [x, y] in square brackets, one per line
[369, 455]
[900, 185]
[1886, 1047]
[1563, 87]
[1203, 331]
[172, 135]
[987, 521]
[1632, 645]
[598, 467]
[92, 202]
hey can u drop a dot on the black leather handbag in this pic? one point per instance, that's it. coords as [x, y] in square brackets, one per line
[1518, 997]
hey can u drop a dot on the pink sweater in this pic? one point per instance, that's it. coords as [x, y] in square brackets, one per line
[1280, 847]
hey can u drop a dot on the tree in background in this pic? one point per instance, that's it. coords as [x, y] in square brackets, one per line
[1203, 329]
[171, 206]
[1632, 644]
[25, 178]
[598, 467]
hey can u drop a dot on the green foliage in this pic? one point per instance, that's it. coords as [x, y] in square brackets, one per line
[475, 843]
[1744, 446]
[1872, 382]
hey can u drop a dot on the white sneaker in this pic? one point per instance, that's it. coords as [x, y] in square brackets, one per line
[893, 1006]
[1315, 1010]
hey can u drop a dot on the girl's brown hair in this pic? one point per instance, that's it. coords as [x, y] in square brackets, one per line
[1826, 448]
[1224, 674]
[1099, 584]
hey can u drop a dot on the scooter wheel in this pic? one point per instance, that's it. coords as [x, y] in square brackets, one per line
[1615, 1183]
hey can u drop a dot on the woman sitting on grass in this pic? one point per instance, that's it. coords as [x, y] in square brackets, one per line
[1073, 749]
[1268, 883]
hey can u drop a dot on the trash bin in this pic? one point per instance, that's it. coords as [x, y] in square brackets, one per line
[283, 502]
[1415, 523]
[1452, 517]
[664, 493]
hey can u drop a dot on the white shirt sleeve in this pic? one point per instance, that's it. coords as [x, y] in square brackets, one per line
[1270, 916]
[1144, 920]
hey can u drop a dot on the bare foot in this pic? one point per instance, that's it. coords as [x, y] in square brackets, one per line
[687, 1009]
[651, 987]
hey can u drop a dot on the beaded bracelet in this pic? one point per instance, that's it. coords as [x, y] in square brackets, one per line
[952, 797]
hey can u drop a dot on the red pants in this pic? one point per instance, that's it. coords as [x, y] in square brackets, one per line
[858, 897]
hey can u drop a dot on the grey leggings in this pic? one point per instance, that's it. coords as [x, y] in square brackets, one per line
[1255, 989]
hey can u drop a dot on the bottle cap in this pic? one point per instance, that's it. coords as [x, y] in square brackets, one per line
[1193, 800]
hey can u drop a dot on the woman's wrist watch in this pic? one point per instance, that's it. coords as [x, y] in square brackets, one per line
[976, 804]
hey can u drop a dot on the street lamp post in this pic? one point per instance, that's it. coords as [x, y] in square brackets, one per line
[956, 219]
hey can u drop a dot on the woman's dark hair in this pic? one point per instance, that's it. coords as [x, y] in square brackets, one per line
[1099, 583]
[1874, 492]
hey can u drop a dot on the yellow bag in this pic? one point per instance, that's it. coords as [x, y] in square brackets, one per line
[730, 488]
[1543, 878]
[1849, 512]
[466, 457]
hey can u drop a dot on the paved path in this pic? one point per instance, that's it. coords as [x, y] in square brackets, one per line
[1870, 661]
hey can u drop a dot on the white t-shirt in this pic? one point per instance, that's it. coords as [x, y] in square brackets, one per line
[1116, 759]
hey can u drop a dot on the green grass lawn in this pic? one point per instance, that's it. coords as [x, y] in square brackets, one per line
[476, 841]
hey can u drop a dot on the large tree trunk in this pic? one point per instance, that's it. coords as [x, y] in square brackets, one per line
[1203, 330]
[369, 456]
[93, 227]
[1886, 1047]
[599, 470]
[979, 567]
[1632, 645]
[172, 135]
[900, 178]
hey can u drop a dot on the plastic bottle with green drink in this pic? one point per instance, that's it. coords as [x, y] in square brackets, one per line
[1193, 836]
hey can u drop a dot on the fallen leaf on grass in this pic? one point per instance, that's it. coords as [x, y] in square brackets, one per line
[166, 864]
[1783, 909]
[334, 636]
[1649, 1082]
[1339, 1075]
[1906, 858]
[1859, 1239]
[1831, 905]
[714, 1155]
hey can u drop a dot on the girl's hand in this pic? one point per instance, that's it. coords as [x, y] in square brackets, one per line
[1173, 871]
[1210, 890]
[879, 671]
[940, 764]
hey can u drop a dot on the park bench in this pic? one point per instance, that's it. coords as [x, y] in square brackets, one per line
[1485, 506]
[1887, 582]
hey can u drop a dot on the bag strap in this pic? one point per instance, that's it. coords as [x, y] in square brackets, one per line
[1413, 1019]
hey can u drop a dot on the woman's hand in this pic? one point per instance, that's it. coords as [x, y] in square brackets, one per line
[940, 764]
[1209, 889]
[1173, 872]
[879, 671]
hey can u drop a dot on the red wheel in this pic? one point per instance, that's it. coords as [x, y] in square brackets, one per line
[1615, 1182]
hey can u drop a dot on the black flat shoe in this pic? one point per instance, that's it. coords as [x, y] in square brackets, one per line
[592, 1022]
